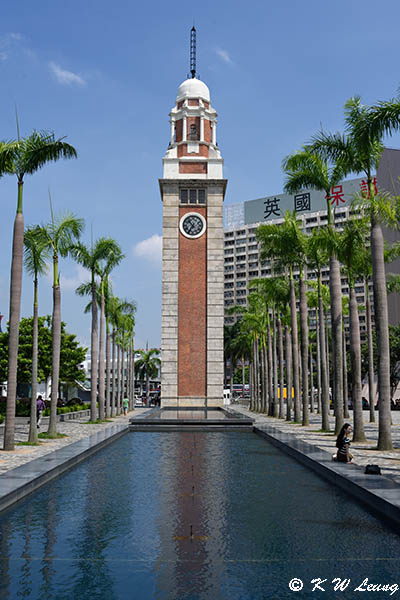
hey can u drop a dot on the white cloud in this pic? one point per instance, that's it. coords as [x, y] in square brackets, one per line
[16, 36]
[65, 77]
[149, 249]
[224, 55]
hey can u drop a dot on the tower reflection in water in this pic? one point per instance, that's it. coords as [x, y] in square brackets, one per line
[193, 494]
[186, 515]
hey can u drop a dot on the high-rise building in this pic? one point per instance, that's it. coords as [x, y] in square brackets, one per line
[242, 261]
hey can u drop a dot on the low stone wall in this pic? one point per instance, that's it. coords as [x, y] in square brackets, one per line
[71, 416]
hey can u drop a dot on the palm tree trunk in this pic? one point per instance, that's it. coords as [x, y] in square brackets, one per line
[371, 373]
[56, 341]
[304, 349]
[295, 352]
[244, 373]
[266, 377]
[262, 377]
[15, 309]
[270, 372]
[108, 369]
[327, 352]
[255, 376]
[123, 382]
[346, 413]
[336, 324]
[33, 433]
[231, 375]
[382, 335]
[281, 376]
[355, 353]
[275, 406]
[94, 355]
[288, 346]
[311, 380]
[113, 378]
[318, 358]
[133, 373]
[324, 363]
[148, 386]
[101, 360]
[251, 385]
[118, 380]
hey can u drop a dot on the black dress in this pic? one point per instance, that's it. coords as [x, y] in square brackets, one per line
[341, 455]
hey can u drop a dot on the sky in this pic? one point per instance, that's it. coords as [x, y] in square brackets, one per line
[105, 74]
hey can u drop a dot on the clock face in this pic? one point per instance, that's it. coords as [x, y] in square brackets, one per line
[192, 225]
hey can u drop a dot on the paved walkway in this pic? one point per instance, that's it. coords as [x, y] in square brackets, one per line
[75, 430]
[363, 453]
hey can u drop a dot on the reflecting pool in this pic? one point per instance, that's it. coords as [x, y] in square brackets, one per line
[191, 516]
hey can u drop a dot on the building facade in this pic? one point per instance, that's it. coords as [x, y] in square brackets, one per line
[242, 262]
[192, 192]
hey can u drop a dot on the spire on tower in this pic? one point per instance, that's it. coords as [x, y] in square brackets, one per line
[193, 52]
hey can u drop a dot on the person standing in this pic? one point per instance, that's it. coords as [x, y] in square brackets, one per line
[125, 405]
[40, 406]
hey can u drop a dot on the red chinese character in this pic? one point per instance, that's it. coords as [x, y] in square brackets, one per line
[365, 189]
[336, 195]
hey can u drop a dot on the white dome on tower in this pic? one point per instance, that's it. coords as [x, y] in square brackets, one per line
[193, 88]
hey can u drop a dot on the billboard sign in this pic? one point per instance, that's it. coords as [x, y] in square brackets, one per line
[305, 201]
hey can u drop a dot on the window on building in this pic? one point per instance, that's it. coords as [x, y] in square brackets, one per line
[193, 196]
[193, 135]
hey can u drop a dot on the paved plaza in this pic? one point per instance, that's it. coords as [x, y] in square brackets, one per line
[364, 453]
[75, 430]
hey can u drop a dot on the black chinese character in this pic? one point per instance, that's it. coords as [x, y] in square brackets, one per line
[302, 202]
[271, 207]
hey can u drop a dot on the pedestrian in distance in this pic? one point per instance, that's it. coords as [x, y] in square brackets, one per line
[40, 406]
[343, 444]
[125, 405]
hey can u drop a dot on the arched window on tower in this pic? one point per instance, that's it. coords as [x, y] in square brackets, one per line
[193, 132]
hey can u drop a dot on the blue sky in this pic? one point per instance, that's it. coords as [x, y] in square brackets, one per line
[106, 75]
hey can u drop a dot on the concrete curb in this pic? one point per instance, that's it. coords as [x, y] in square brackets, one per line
[17, 483]
[378, 492]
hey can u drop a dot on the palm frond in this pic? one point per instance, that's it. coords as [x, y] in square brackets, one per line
[36, 251]
[42, 147]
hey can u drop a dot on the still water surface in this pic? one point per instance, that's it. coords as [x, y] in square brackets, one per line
[191, 516]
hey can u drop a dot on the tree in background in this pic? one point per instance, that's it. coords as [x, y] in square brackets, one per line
[72, 353]
[308, 170]
[22, 157]
[360, 151]
[91, 258]
[35, 256]
[60, 235]
[147, 366]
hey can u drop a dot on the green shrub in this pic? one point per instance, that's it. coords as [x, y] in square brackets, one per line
[1, 418]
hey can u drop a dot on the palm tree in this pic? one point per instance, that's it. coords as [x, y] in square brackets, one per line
[352, 243]
[35, 257]
[317, 258]
[147, 366]
[230, 333]
[60, 236]
[360, 150]
[286, 243]
[91, 259]
[22, 157]
[308, 170]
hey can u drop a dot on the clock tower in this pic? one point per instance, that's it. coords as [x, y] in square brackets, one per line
[192, 192]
